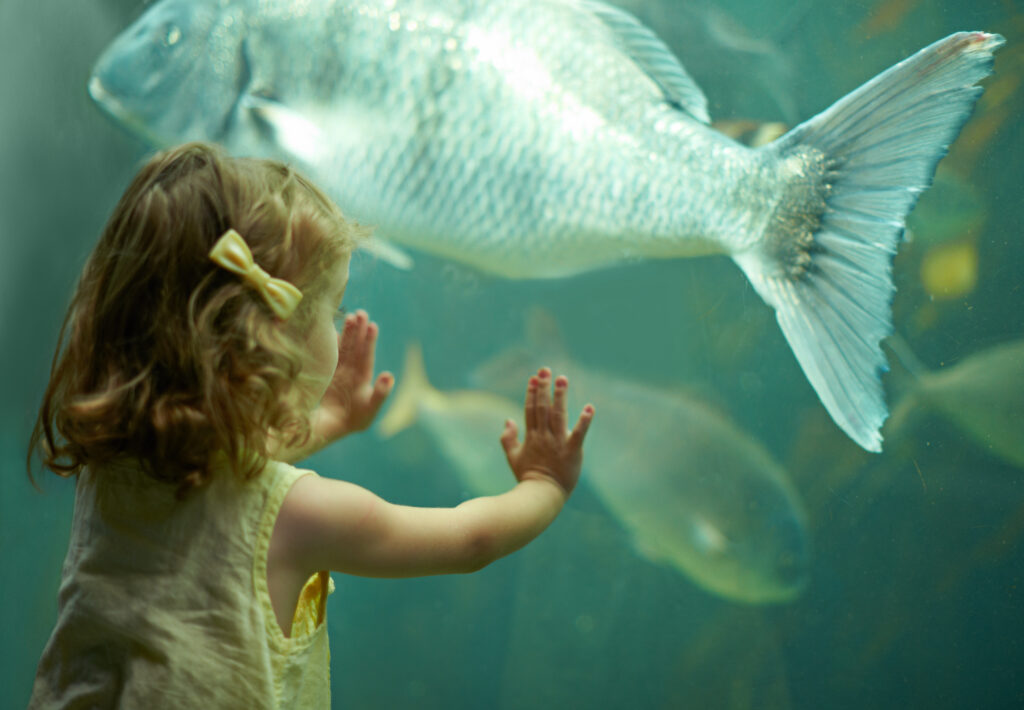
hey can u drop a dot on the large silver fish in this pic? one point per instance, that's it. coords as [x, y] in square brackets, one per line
[539, 138]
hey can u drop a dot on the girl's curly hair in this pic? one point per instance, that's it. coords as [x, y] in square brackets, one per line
[168, 359]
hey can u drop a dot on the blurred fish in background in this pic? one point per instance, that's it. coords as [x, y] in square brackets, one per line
[694, 492]
[983, 395]
[542, 139]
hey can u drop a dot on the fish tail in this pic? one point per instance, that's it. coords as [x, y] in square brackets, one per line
[825, 263]
[413, 388]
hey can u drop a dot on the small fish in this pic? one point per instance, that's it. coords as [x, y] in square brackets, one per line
[694, 490]
[544, 138]
[983, 394]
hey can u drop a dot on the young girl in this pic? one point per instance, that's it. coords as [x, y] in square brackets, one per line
[199, 359]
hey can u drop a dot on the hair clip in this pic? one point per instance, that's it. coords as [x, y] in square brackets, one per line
[232, 253]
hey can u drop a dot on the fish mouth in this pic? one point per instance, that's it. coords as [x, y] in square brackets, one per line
[106, 100]
[116, 110]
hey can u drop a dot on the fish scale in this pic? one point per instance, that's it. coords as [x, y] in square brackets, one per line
[545, 138]
[536, 227]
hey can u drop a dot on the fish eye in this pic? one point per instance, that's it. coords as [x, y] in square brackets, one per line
[709, 539]
[167, 34]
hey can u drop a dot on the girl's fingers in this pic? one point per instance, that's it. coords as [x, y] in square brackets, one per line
[543, 398]
[381, 389]
[369, 349]
[558, 410]
[358, 320]
[358, 343]
[362, 321]
[353, 336]
[530, 410]
[509, 439]
[348, 338]
[582, 424]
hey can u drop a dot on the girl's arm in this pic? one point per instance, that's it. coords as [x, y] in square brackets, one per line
[329, 524]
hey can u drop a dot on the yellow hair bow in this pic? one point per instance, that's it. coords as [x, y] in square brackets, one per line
[232, 253]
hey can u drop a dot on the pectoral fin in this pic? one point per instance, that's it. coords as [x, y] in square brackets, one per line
[287, 127]
[387, 251]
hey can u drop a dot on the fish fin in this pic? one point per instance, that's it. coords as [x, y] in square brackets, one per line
[829, 276]
[544, 335]
[287, 127]
[543, 345]
[300, 137]
[653, 56]
[413, 388]
[506, 371]
[387, 252]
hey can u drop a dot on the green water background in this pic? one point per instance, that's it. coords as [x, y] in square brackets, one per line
[915, 596]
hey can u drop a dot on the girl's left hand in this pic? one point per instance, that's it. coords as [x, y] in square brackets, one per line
[353, 398]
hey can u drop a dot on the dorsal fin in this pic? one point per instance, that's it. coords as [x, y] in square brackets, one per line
[653, 56]
[544, 335]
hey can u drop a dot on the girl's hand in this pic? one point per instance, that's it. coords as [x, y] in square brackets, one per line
[353, 398]
[548, 449]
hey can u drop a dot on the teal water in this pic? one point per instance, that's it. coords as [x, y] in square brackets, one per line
[915, 590]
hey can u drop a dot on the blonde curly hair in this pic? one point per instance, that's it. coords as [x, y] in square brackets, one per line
[168, 359]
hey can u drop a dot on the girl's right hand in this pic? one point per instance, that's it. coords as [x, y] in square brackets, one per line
[548, 449]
